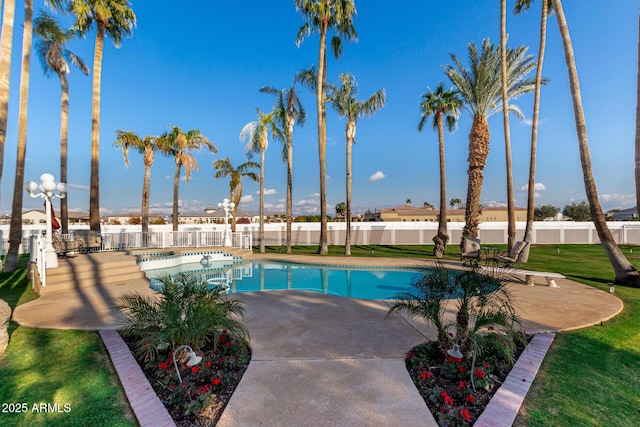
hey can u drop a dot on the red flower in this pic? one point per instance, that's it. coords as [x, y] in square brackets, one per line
[461, 385]
[222, 338]
[207, 364]
[216, 381]
[486, 365]
[163, 365]
[447, 399]
[479, 373]
[195, 370]
[425, 375]
[205, 388]
[471, 399]
[228, 344]
[465, 414]
[461, 369]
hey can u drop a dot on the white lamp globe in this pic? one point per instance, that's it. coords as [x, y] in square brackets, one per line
[31, 187]
[48, 186]
[47, 177]
[62, 187]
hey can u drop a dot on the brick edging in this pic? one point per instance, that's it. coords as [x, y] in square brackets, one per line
[146, 405]
[505, 404]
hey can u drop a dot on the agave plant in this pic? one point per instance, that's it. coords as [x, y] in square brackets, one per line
[187, 311]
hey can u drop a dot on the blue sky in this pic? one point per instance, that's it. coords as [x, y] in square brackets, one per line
[201, 68]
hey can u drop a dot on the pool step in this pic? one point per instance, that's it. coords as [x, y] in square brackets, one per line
[93, 269]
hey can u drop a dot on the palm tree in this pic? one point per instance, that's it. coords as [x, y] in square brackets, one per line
[288, 111]
[255, 134]
[455, 203]
[480, 89]
[444, 106]
[147, 147]
[321, 16]
[6, 43]
[546, 8]
[344, 103]
[115, 19]
[625, 272]
[179, 144]
[224, 168]
[55, 58]
[15, 230]
[511, 215]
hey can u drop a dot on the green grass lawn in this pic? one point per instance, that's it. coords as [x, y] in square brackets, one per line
[590, 377]
[54, 377]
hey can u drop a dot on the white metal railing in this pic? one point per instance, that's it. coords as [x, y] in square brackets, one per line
[37, 249]
[167, 239]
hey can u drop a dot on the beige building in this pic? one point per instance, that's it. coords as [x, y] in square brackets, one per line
[38, 216]
[132, 217]
[408, 213]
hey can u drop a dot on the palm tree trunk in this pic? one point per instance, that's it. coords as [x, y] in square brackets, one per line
[236, 196]
[347, 213]
[6, 43]
[442, 237]
[511, 217]
[637, 141]
[176, 185]
[94, 196]
[262, 200]
[624, 271]
[528, 232]
[146, 186]
[64, 142]
[478, 152]
[323, 248]
[289, 185]
[15, 231]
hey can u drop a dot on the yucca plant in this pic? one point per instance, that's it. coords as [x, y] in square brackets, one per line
[187, 311]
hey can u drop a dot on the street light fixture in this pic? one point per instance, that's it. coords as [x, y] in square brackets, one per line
[227, 206]
[48, 189]
[193, 359]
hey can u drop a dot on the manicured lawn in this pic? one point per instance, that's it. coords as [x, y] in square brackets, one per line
[68, 370]
[590, 377]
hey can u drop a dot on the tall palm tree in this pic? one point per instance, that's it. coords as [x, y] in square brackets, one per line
[321, 16]
[637, 139]
[480, 88]
[15, 230]
[6, 43]
[224, 168]
[113, 18]
[55, 58]
[255, 134]
[511, 215]
[147, 147]
[546, 8]
[287, 112]
[625, 272]
[444, 106]
[179, 145]
[344, 103]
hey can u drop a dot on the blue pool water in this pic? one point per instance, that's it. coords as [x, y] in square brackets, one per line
[354, 282]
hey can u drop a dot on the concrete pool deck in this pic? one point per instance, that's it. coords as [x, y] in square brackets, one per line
[326, 360]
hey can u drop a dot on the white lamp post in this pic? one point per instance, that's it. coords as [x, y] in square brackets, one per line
[194, 359]
[47, 189]
[227, 206]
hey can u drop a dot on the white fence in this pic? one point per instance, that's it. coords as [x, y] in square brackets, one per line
[123, 237]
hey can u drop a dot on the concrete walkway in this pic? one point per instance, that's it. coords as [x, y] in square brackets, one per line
[322, 360]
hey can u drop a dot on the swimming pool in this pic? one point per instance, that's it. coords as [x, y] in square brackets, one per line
[353, 282]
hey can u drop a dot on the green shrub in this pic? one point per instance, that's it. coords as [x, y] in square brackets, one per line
[188, 311]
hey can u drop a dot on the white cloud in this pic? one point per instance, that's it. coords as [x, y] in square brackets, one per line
[78, 187]
[617, 201]
[314, 195]
[377, 176]
[268, 191]
[538, 186]
[247, 199]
